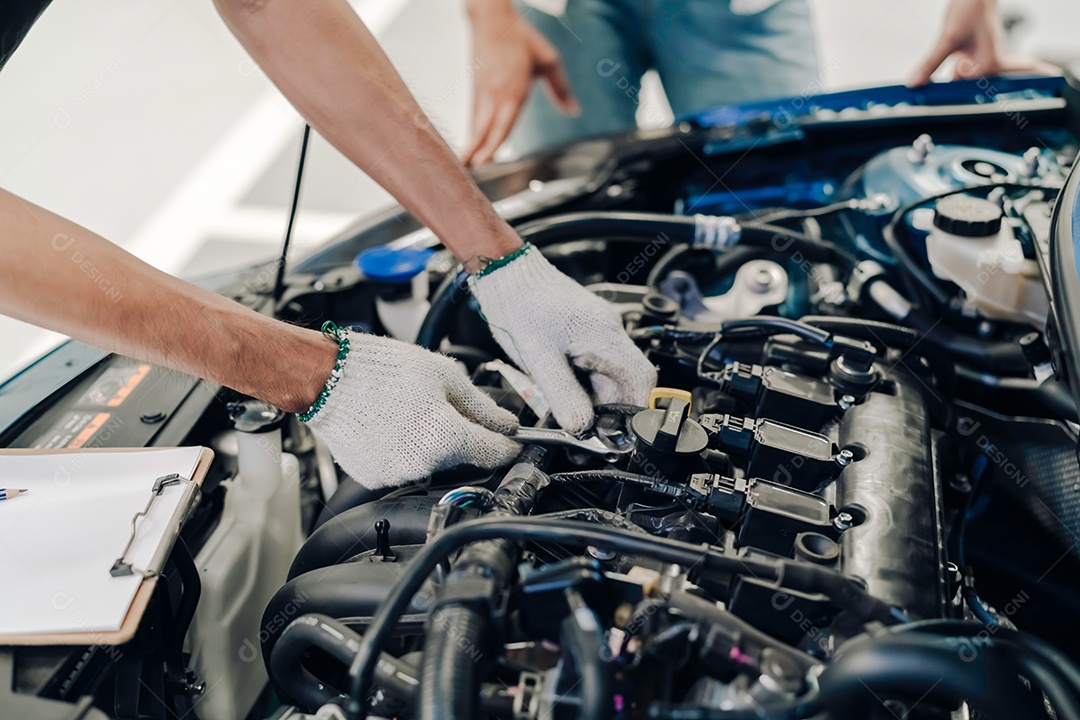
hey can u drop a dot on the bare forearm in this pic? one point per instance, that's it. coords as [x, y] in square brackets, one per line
[61, 276]
[325, 61]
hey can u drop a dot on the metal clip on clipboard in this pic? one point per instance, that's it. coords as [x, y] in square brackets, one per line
[157, 562]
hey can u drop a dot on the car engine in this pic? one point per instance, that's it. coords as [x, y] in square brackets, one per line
[854, 492]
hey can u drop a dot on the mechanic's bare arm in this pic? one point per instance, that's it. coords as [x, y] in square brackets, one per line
[59, 275]
[322, 57]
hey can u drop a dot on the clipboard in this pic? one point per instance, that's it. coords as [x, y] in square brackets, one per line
[150, 574]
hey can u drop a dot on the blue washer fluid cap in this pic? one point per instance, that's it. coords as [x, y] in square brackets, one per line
[392, 265]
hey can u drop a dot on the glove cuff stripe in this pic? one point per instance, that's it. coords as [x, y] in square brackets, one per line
[494, 265]
[341, 337]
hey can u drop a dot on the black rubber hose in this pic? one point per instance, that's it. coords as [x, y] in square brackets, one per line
[583, 639]
[918, 665]
[396, 677]
[994, 357]
[911, 662]
[449, 683]
[759, 326]
[286, 660]
[978, 354]
[669, 261]
[1058, 398]
[450, 295]
[775, 326]
[670, 230]
[916, 280]
[702, 558]
[353, 531]
[897, 336]
[790, 243]
[350, 590]
[963, 628]
[591, 225]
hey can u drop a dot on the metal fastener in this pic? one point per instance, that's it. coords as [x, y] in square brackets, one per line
[844, 521]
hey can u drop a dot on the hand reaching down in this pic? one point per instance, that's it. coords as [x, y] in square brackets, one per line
[974, 35]
[548, 324]
[398, 412]
[510, 53]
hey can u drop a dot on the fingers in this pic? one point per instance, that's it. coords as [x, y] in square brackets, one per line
[570, 403]
[477, 406]
[938, 55]
[498, 128]
[621, 374]
[483, 115]
[559, 88]
[606, 389]
[549, 67]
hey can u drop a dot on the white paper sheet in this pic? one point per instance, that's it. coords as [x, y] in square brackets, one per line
[58, 542]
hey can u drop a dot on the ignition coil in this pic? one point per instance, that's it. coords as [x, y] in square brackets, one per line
[770, 516]
[787, 454]
[786, 396]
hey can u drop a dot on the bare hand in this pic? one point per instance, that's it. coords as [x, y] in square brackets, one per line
[974, 35]
[510, 54]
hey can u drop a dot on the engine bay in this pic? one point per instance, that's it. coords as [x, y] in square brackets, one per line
[854, 492]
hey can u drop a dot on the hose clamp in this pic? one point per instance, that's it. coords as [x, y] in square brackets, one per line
[716, 232]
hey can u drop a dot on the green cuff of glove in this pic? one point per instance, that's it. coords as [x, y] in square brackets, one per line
[503, 261]
[341, 337]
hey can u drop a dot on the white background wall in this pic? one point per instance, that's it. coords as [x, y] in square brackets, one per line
[145, 121]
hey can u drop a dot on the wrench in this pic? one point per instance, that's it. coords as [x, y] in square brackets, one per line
[561, 438]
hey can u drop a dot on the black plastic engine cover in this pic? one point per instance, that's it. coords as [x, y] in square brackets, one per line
[897, 548]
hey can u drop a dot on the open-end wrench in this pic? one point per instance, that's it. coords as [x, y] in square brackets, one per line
[562, 438]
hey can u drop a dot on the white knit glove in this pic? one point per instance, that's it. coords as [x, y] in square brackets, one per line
[398, 412]
[545, 321]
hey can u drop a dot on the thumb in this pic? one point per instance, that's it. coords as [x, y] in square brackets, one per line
[923, 73]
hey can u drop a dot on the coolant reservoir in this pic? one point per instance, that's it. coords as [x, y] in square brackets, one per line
[400, 279]
[243, 563]
[970, 246]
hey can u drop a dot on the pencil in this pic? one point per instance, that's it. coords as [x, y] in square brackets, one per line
[8, 493]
